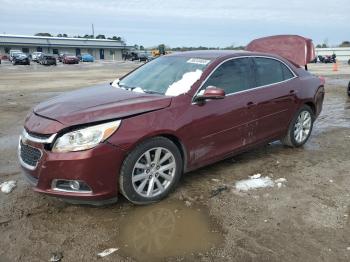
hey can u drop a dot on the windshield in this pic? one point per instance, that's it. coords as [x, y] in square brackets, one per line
[169, 75]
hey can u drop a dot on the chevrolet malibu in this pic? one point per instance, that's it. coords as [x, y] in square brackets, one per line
[170, 116]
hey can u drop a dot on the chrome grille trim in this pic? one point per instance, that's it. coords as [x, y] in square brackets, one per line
[44, 140]
[24, 164]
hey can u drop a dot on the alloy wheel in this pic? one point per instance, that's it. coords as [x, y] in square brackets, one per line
[302, 126]
[153, 172]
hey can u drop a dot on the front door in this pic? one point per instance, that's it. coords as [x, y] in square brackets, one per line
[77, 51]
[102, 53]
[220, 127]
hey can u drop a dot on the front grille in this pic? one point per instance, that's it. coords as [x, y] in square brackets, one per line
[30, 155]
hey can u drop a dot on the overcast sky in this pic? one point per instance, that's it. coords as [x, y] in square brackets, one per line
[180, 22]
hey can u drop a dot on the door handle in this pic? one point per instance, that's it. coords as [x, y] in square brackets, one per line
[291, 92]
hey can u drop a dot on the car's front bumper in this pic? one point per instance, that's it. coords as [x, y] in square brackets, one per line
[98, 168]
[71, 61]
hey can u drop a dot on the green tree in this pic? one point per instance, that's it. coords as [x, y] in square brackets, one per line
[345, 44]
[43, 34]
[116, 38]
[142, 47]
[100, 37]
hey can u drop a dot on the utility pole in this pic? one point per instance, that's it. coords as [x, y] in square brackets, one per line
[93, 30]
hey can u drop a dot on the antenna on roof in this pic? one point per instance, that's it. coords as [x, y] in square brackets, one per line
[93, 30]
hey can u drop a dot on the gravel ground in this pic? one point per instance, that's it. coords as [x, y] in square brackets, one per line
[305, 218]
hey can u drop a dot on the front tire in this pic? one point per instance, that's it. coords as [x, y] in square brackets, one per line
[151, 171]
[300, 128]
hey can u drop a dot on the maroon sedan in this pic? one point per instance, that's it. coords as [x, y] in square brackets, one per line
[70, 59]
[172, 115]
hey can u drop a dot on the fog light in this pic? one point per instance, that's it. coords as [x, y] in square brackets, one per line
[75, 185]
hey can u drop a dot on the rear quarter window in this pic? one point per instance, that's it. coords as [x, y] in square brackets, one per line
[269, 71]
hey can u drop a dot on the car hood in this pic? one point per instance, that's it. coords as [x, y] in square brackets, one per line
[98, 103]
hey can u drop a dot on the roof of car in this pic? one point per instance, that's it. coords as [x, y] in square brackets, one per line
[218, 54]
[212, 54]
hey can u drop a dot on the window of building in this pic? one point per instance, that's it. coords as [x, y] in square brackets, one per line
[25, 50]
[39, 49]
[77, 51]
[55, 51]
[7, 50]
[232, 76]
[111, 52]
[269, 71]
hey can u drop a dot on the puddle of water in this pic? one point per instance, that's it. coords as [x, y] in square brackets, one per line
[166, 229]
[335, 114]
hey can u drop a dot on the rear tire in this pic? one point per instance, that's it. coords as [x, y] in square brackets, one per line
[300, 128]
[151, 171]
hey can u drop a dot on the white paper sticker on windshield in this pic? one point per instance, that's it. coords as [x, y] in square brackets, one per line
[198, 61]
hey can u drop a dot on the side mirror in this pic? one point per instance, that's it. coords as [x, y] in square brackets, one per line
[211, 92]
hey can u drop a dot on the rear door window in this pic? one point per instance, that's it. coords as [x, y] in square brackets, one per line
[233, 76]
[269, 71]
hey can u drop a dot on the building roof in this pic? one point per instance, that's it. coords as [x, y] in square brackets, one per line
[45, 41]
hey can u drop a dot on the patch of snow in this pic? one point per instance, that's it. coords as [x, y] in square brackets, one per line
[255, 176]
[107, 252]
[138, 90]
[184, 84]
[280, 180]
[257, 181]
[115, 83]
[8, 186]
[253, 183]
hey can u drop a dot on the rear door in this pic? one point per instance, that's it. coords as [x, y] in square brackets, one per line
[221, 126]
[275, 97]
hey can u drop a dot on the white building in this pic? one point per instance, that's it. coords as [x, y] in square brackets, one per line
[342, 53]
[99, 48]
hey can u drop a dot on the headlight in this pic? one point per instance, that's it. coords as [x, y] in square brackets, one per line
[85, 138]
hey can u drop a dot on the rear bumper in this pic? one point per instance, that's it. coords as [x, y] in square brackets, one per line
[98, 168]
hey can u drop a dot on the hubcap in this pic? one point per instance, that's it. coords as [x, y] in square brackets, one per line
[153, 172]
[302, 127]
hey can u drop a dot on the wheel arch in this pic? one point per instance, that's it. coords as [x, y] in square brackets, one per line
[170, 136]
[180, 146]
[312, 106]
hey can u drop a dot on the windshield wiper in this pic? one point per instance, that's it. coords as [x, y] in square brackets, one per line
[131, 88]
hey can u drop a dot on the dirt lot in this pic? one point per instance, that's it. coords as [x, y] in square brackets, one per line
[305, 219]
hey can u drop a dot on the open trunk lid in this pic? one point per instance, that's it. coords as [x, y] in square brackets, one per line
[297, 49]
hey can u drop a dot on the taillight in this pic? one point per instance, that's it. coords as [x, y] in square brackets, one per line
[322, 79]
